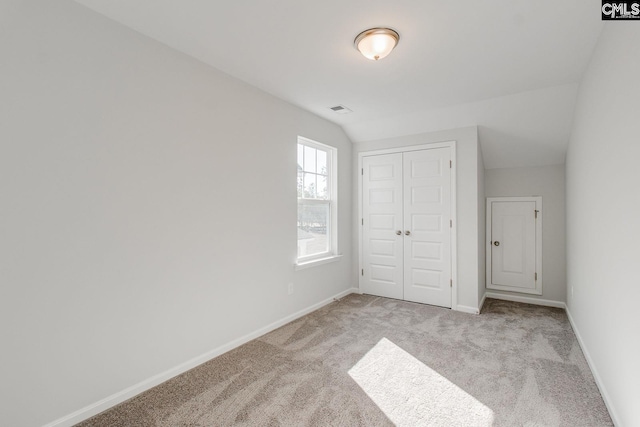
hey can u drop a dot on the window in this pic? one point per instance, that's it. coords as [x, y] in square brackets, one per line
[317, 203]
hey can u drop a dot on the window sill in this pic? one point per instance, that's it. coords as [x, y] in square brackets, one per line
[312, 263]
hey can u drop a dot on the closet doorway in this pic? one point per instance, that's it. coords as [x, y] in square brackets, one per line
[407, 223]
[514, 244]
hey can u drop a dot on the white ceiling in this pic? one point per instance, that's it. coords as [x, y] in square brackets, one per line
[509, 66]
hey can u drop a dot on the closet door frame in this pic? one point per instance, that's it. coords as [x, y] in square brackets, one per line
[454, 258]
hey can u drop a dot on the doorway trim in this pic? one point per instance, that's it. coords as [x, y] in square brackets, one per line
[538, 202]
[454, 218]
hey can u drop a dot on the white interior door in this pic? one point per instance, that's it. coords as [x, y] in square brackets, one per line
[514, 232]
[382, 250]
[427, 231]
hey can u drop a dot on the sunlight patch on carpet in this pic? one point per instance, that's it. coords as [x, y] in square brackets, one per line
[412, 394]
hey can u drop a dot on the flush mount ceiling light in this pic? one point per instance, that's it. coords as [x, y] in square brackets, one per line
[376, 43]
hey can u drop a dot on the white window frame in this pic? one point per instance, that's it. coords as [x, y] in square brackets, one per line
[332, 233]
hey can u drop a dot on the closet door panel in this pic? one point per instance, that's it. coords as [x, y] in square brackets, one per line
[427, 232]
[382, 249]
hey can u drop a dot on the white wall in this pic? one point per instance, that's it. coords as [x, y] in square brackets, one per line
[548, 182]
[603, 221]
[482, 213]
[147, 213]
[467, 200]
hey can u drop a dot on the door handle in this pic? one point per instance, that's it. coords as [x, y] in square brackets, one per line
[398, 232]
[496, 243]
[407, 233]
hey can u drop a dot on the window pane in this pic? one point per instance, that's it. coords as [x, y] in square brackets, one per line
[313, 229]
[310, 186]
[309, 159]
[323, 190]
[316, 209]
[322, 162]
[300, 183]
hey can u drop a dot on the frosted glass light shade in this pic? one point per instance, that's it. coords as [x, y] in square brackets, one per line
[376, 43]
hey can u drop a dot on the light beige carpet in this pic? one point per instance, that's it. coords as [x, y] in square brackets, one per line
[370, 361]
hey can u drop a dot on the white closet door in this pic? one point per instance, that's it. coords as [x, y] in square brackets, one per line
[514, 246]
[427, 232]
[382, 251]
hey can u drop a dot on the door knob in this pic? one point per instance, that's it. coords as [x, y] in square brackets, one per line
[398, 232]
[407, 233]
[496, 243]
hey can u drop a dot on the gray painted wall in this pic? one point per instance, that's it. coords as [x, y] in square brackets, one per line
[482, 212]
[548, 182]
[148, 209]
[603, 219]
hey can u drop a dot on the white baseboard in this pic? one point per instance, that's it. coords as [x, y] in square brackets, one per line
[603, 391]
[559, 304]
[484, 298]
[472, 310]
[526, 300]
[466, 309]
[110, 401]
[592, 367]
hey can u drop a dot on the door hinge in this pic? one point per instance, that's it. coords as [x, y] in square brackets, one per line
[450, 223]
[362, 221]
[362, 272]
[536, 277]
[362, 171]
[450, 164]
[451, 283]
[536, 212]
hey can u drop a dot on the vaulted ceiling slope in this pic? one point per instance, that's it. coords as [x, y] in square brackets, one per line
[510, 67]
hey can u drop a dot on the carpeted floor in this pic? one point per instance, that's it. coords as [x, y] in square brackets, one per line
[370, 361]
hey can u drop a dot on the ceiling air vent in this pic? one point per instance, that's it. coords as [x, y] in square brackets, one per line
[340, 109]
